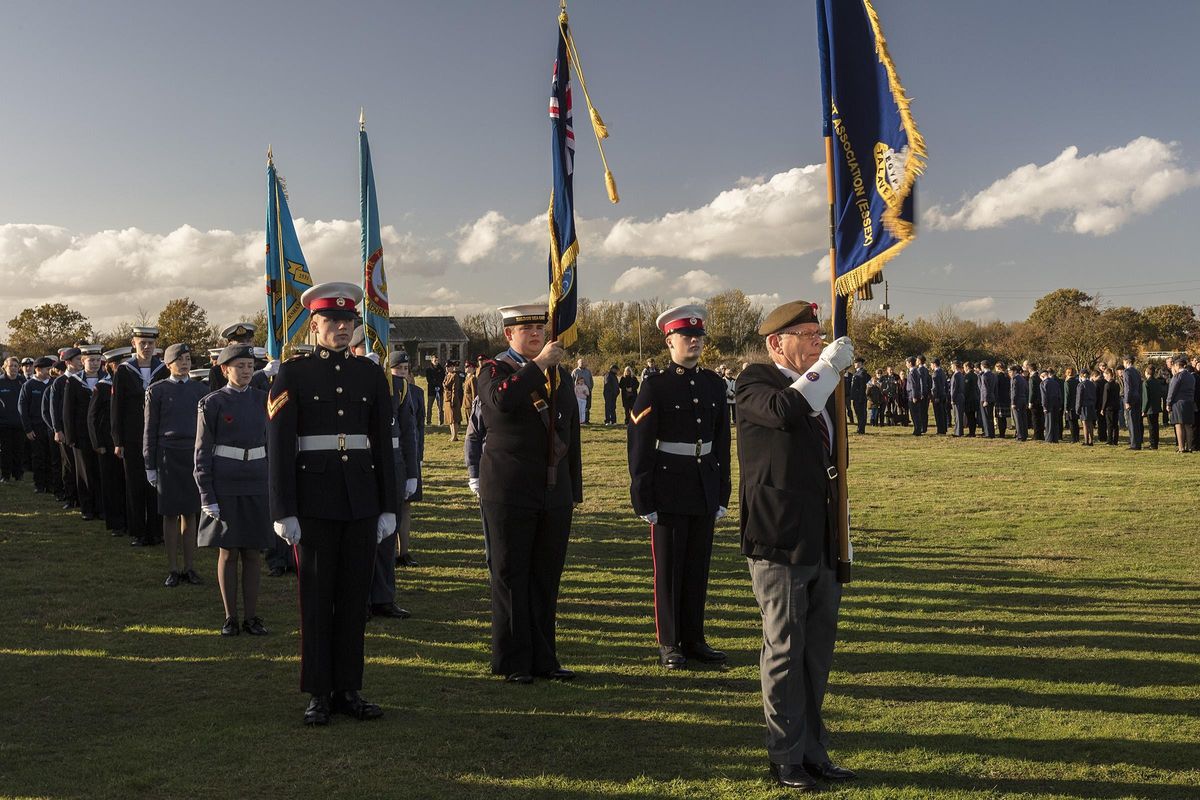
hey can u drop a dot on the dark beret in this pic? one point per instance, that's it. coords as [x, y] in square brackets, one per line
[45, 362]
[235, 351]
[174, 352]
[397, 358]
[787, 315]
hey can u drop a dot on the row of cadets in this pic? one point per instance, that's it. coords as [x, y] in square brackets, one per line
[76, 399]
[99, 423]
[130, 381]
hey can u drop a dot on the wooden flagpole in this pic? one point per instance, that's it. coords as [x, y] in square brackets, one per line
[841, 445]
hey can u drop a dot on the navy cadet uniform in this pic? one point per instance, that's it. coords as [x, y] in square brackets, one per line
[332, 484]
[128, 418]
[30, 406]
[99, 423]
[66, 458]
[44, 412]
[405, 425]
[679, 481]
[77, 397]
[12, 437]
[528, 520]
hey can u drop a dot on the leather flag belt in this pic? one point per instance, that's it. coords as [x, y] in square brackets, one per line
[686, 448]
[239, 454]
[334, 441]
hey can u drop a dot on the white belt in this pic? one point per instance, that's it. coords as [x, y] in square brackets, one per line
[395, 442]
[238, 454]
[685, 449]
[334, 441]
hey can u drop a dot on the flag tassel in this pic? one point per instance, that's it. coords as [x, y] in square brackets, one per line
[598, 127]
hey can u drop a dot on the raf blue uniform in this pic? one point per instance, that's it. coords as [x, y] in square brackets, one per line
[29, 405]
[230, 457]
[11, 435]
[169, 441]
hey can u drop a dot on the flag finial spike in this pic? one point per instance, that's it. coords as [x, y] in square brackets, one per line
[362, 119]
[270, 156]
[562, 11]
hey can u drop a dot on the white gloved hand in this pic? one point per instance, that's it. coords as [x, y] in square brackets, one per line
[288, 529]
[721, 511]
[271, 369]
[652, 517]
[410, 488]
[386, 526]
[473, 485]
[213, 510]
[152, 477]
[839, 354]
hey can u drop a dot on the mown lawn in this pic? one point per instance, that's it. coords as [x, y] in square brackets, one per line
[1023, 623]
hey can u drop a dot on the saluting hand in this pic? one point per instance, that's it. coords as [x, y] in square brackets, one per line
[551, 356]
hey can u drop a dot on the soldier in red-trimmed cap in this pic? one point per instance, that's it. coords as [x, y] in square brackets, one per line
[680, 484]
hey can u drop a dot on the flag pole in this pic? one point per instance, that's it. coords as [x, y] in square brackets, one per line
[839, 424]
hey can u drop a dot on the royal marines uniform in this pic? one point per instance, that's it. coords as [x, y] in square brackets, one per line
[30, 406]
[77, 397]
[680, 482]
[332, 491]
[99, 422]
[527, 491]
[128, 418]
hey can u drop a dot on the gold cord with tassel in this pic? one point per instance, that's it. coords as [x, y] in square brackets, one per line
[598, 126]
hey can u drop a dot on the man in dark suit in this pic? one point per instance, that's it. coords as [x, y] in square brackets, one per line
[787, 439]
[1154, 394]
[332, 493]
[971, 398]
[1019, 398]
[1071, 388]
[1052, 405]
[858, 393]
[530, 480]
[914, 388]
[940, 396]
[987, 399]
[1131, 399]
[1037, 415]
[1101, 384]
[1003, 405]
[958, 396]
[680, 483]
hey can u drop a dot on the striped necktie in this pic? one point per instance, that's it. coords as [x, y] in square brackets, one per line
[824, 432]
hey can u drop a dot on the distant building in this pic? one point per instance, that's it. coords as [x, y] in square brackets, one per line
[425, 337]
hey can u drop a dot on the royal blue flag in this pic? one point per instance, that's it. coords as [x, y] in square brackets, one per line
[564, 289]
[877, 151]
[286, 271]
[376, 323]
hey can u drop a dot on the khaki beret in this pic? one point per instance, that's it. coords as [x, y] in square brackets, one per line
[787, 315]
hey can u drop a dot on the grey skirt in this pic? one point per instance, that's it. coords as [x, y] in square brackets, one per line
[245, 522]
[178, 493]
[1182, 413]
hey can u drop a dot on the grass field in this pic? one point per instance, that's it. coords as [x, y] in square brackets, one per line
[1023, 623]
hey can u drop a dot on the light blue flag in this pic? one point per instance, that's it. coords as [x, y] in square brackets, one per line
[376, 323]
[286, 271]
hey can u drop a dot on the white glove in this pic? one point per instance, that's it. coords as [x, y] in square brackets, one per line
[473, 485]
[213, 511]
[721, 511]
[271, 369]
[652, 517]
[410, 488]
[839, 354]
[152, 477]
[288, 529]
[386, 526]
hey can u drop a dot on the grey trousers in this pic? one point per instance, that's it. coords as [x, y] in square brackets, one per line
[799, 605]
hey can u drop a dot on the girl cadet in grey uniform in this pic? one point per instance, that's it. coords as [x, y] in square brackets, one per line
[231, 472]
[170, 433]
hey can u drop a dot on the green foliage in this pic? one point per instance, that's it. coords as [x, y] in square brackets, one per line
[42, 330]
[182, 321]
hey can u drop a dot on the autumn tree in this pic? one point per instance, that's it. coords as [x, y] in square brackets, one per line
[44, 329]
[182, 321]
[1050, 308]
[1170, 327]
[732, 321]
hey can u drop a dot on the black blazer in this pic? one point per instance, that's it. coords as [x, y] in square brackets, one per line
[787, 499]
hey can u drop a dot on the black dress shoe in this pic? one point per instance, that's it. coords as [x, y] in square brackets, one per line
[792, 776]
[389, 610]
[90, 517]
[276, 572]
[560, 674]
[519, 677]
[140, 542]
[254, 626]
[830, 771]
[317, 712]
[230, 628]
[406, 560]
[700, 651]
[352, 704]
[172, 580]
[671, 658]
[192, 577]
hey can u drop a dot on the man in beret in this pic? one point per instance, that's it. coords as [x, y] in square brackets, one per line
[787, 444]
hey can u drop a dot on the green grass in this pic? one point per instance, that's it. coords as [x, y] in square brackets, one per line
[1023, 623]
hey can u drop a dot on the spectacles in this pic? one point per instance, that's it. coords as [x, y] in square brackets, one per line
[804, 335]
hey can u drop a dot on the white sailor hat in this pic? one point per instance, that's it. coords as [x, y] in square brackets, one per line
[260, 353]
[117, 353]
[91, 349]
[335, 299]
[26, 360]
[239, 330]
[213, 352]
[145, 331]
[528, 314]
[688, 320]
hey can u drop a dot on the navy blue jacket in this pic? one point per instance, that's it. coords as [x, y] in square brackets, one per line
[1131, 392]
[29, 404]
[1052, 394]
[10, 396]
[1019, 392]
[234, 419]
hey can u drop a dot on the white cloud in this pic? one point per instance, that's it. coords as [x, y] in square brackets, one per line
[480, 238]
[444, 293]
[820, 273]
[786, 215]
[700, 282]
[1096, 193]
[637, 279]
[764, 301]
[981, 309]
[494, 236]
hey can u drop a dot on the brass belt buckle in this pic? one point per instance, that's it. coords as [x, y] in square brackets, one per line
[341, 442]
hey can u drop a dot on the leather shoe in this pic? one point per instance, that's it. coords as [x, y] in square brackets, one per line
[140, 542]
[254, 626]
[317, 712]
[352, 704]
[172, 580]
[389, 610]
[700, 651]
[276, 572]
[830, 771]
[519, 677]
[792, 776]
[192, 577]
[671, 658]
[230, 628]
[406, 560]
[560, 674]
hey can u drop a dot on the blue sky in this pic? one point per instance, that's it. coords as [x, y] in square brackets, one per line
[134, 136]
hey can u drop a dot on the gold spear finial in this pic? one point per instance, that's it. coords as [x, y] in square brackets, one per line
[362, 119]
[270, 156]
[562, 11]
